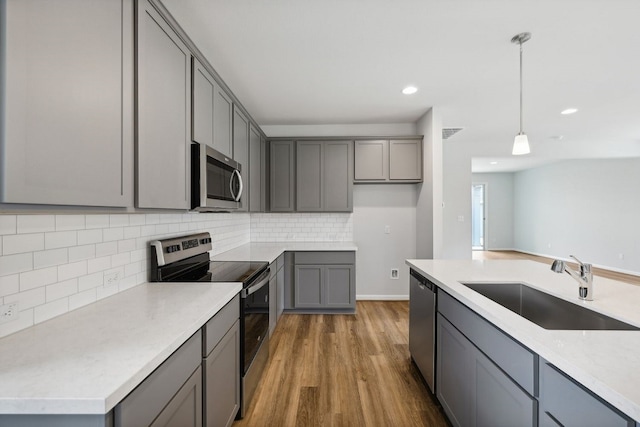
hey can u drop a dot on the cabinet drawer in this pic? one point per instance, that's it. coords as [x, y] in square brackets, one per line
[148, 400]
[517, 361]
[334, 257]
[219, 324]
[569, 404]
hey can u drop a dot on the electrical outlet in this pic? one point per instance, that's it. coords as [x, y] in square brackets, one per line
[112, 278]
[8, 312]
[620, 256]
[387, 229]
[394, 273]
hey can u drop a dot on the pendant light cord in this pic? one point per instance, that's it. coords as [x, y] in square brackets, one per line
[521, 131]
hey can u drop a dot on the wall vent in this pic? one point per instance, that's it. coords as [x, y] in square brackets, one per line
[449, 132]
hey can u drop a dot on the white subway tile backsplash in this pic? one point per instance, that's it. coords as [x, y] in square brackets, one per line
[97, 221]
[50, 310]
[21, 243]
[71, 270]
[28, 299]
[82, 298]
[60, 239]
[9, 284]
[86, 237]
[11, 264]
[51, 257]
[112, 234]
[61, 289]
[70, 222]
[7, 224]
[36, 278]
[301, 227]
[35, 223]
[79, 252]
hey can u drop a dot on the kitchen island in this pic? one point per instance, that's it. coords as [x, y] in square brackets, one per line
[603, 362]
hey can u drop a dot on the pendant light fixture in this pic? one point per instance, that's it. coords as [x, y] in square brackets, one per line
[521, 142]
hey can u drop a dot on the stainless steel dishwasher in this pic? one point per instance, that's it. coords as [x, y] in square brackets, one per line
[422, 325]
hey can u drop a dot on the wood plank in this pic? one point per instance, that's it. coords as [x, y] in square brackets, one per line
[343, 370]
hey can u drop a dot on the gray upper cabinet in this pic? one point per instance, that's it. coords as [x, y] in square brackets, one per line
[222, 121]
[204, 87]
[397, 160]
[324, 176]
[241, 153]
[67, 102]
[256, 170]
[282, 176]
[164, 113]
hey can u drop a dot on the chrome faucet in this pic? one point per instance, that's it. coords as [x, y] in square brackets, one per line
[584, 277]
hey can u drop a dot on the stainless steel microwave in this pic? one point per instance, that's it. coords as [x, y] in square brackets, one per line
[216, 181]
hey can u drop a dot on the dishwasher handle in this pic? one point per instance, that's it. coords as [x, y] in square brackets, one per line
[423, 282]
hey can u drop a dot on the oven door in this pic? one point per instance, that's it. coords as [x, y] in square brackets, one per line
[254, 318]
[216, 182]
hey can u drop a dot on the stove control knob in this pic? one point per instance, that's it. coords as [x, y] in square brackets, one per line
[173, 248]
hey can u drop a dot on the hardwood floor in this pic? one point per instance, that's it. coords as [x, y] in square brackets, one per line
[627, 278]
[343, 370]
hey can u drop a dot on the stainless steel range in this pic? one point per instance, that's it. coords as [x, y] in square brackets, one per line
[186, 259]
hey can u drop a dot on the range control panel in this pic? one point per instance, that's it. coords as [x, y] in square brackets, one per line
[179, 248]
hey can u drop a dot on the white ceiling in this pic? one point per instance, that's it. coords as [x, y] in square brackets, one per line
[294, 62]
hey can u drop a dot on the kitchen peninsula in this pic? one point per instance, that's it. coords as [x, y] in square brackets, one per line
[600, 363]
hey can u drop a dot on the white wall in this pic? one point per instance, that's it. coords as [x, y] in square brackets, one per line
[498, 209]
[456, 220]
[587, 208]
[51, 264]
[377, 206]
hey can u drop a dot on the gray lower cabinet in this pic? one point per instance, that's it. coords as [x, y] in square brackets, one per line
[273, 297]
[221, 366]
[391, 161]
[563, 402]
[171, 395]
[324, 281]
[280, 285]
[163, 113]
[324, 176]
[483, 377]
[282, 176]
[67, 102]
[241, 154]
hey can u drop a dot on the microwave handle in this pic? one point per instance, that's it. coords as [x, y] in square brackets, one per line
[236, 197]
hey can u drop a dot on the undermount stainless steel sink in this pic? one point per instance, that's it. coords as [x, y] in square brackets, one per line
[546, 310]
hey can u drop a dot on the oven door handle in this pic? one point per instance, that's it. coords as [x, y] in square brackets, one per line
[263, 280]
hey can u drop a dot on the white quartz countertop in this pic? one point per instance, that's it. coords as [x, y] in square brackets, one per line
[86, 361]
[606, 362]
[269, 251]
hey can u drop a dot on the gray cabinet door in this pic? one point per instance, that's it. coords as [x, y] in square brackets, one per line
[241, 153]
[498, 400]
[222, 380]
[338, 176]
[454, 386]
[309, 176]
[256, 167]
[67, 102]
[185, 408]
[567, 403]
[273, 298]
[280, 289]
[371, 160]
[339, 286]
[204, 87]
[405, 159]
[222, 121]
[309, 286]
[282, 176]
[164, 113]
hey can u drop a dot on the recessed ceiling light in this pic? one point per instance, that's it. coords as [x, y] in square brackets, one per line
[569, 111]
[493, 163]
[409, 90]
[557, 137]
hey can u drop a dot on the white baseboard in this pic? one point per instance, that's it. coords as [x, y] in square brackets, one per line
[382, 297]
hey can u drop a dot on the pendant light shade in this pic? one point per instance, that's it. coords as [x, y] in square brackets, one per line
[521, 142]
